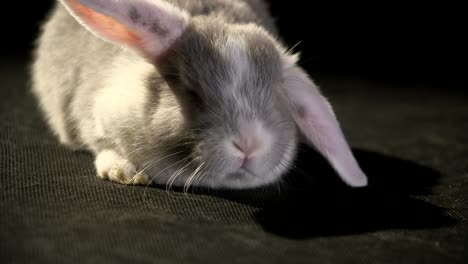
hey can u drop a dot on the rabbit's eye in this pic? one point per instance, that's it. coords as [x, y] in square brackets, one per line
[172, 77]
[194, 96]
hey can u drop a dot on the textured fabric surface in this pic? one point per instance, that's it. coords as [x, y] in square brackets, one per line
[412, 143]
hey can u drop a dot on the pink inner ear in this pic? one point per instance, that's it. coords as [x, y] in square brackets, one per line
[105, 26]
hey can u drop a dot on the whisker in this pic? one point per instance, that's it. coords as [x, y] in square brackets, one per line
[203, 175]
[168, 167]
[190, 178]
[144, 147]
[291, 50]
[196, 182]
[176, 174]
[153, 163]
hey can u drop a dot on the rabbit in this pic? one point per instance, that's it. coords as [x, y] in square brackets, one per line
[185, 93]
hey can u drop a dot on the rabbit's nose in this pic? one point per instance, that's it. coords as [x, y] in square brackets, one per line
[247, 145]
[249, 140]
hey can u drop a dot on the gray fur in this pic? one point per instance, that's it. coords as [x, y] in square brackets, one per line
[134, 14]
[71, 65]
[174, 112]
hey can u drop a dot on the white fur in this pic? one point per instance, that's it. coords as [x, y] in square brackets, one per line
[123, 92]
[110, 165]
[235, 51]
[287, 158]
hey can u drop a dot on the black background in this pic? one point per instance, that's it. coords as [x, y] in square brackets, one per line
[399, 41]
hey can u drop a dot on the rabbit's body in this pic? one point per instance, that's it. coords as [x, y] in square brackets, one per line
[77, 53]
[121, 103]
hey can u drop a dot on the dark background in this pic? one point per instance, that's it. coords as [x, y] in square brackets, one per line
[390, 42]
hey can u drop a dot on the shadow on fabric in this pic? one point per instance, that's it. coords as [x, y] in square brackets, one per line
[312, 201]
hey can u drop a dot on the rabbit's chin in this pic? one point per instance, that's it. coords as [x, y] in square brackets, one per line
[246, 178]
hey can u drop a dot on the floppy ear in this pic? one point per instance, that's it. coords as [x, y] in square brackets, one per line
[316, 120]
[147, 26]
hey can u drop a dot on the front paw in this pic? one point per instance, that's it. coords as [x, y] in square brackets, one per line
[111, 166]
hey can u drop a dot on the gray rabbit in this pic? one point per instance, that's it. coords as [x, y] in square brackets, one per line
[185, 93]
